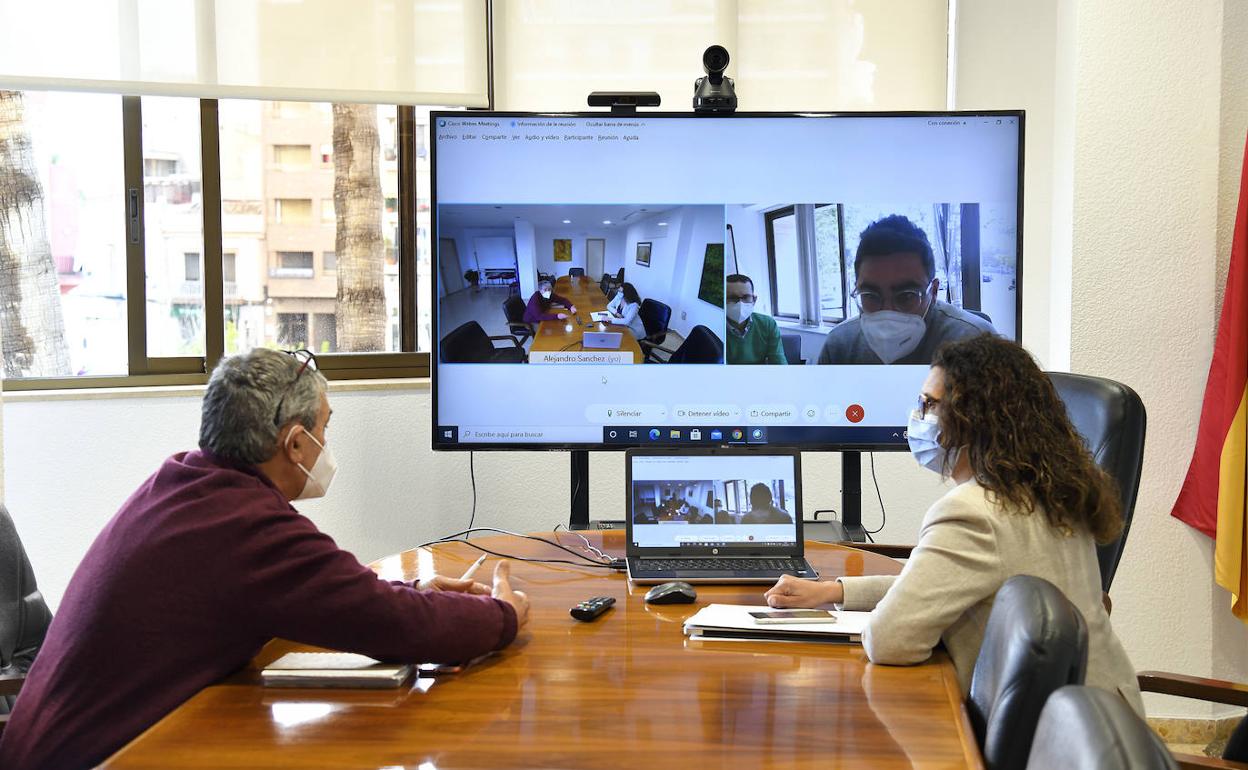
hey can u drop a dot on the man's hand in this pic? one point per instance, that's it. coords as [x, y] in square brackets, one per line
[503, 591]
[799, 592]
[572, 309]
[444, 583]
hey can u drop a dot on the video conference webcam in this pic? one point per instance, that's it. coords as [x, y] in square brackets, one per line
[623, 101]
[714, 94]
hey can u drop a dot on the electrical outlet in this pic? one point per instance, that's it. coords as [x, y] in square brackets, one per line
[684, 316]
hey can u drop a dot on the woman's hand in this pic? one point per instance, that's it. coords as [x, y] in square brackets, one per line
[798, 592]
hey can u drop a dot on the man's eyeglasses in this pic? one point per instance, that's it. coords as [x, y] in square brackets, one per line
[906, 300]
[926, 405]
[748, 298]
[307, 361]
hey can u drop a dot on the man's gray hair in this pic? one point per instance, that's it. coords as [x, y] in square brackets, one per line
[240, 418]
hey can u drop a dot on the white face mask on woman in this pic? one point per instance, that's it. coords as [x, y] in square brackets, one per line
[546, 294]
[322, 473]
[923, 436]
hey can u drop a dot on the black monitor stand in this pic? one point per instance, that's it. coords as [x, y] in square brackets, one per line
[851, 493]
[580, 490]
[851, 496]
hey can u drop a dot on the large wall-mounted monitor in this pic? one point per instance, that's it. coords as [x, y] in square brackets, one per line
[588, 273]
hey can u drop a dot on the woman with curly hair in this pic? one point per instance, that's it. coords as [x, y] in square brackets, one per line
[1028, 500]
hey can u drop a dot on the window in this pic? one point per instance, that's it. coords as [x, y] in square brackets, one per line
[69, 288]
[192, 266]
[229, 266]
[806, 288]
[292, 155]
[292, 330]
[303, 225]
[292, 211]
[293, 264]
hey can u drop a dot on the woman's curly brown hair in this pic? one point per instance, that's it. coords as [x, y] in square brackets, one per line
[1004, 412]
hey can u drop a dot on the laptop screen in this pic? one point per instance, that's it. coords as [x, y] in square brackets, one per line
[723, 500]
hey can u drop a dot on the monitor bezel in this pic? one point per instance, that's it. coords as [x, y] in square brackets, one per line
[603, 446]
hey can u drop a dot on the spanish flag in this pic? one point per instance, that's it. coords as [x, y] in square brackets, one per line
[1216, 489]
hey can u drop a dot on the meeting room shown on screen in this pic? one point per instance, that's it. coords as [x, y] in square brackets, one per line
[581, 284]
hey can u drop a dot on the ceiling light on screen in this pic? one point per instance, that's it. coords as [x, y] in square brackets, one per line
[662, 224]
[606, 221]
[567, 221]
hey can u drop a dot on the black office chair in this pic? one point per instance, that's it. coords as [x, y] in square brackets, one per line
[792, 348]
[24, 616]
[700, 347]
[654, 317]
[619, 277]
[1035, 642]
[1235, 755]
[513, 308]
[979, 313]
[605, 284]
[1086, 728]
[469, 344]
[576, 272]
[1111, 418]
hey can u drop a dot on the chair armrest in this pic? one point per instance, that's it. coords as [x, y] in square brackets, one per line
[511, 337]
[1197, 762]
[884, 549]
[1216, 690]
[11, 684]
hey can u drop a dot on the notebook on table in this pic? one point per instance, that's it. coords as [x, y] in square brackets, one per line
[710, 515]
[734, 622]
[333, 669]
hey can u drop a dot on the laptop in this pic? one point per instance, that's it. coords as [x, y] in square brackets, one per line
[602, 340]
[714, 515]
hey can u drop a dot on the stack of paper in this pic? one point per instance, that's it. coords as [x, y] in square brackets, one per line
[733, 622]
[333, 669]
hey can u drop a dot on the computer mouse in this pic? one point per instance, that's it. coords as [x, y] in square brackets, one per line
[671, 593]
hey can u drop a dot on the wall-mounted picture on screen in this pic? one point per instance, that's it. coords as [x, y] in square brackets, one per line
[570, 294]
[712, 287]
[643, 253]
[887, 283]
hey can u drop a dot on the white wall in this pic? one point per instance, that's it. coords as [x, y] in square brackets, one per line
[578, 235]
[701, 225]
[526, 257]
[1135, 132]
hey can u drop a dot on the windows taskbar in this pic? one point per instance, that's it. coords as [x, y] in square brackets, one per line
[806, 435]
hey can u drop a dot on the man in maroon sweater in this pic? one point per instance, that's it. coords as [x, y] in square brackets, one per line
[207, 561]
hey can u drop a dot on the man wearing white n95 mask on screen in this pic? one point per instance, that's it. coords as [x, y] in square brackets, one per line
[207, 561]
[901, 318]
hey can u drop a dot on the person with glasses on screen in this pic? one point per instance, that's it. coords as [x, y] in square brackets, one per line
[207, 561]
[753, 338]
[1028, 499]
[901, 319]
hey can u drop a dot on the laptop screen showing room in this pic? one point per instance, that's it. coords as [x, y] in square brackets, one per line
[722, 501]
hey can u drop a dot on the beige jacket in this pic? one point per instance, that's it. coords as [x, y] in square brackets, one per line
[968, 547]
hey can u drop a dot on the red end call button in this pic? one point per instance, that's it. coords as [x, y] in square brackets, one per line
[854, 413]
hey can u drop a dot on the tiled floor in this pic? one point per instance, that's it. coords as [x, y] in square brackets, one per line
[483, 305]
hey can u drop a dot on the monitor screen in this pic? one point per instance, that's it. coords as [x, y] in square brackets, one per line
[713, 500]
[605, 281]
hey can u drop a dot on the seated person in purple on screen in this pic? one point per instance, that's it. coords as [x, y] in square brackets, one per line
[542, 305]
[207, 561]
[901, 318]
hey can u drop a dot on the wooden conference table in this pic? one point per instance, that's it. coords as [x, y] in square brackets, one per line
[628, 690]
[585, 294]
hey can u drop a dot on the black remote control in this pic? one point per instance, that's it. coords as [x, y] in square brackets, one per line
[592, 608]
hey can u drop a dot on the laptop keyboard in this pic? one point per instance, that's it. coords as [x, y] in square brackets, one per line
[752, 564]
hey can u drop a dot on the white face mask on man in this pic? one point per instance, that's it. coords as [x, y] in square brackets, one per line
[546, 294]
[322, 473]
[891, 334]
[738, 312]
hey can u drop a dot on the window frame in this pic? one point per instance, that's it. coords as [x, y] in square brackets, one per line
[808, 283]
[145, 370]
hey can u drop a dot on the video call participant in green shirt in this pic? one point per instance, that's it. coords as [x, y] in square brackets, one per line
[753, 338]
